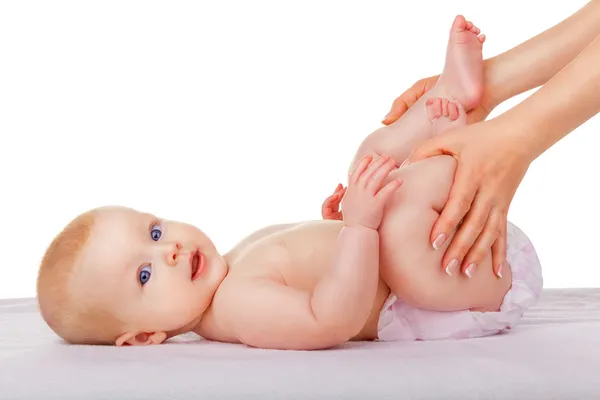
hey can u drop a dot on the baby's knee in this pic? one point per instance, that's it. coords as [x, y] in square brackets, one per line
[374, 144]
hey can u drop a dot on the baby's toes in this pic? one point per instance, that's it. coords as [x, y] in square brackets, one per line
[445, 107]
[434, 108]
[452, 111]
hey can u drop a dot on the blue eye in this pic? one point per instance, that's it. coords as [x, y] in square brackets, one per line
[156, 232]
[144, 274]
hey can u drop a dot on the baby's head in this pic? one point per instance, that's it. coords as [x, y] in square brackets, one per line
[118, 276]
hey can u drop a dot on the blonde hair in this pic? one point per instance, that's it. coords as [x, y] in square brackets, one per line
[69, 316]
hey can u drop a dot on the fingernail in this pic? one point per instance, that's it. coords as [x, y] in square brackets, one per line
[451, 267]
[500, 270]
[470, 270]
[439, 241]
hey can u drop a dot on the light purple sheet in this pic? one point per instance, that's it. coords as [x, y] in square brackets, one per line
[553, 354]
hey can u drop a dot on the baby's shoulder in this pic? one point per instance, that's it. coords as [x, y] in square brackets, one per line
[276, 235]
[274, 248]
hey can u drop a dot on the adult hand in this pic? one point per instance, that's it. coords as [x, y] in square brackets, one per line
[419, 88]
[493, 156]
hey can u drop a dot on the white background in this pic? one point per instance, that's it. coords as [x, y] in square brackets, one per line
[236, 115]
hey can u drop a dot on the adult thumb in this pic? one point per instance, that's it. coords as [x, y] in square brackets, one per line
[429, 148]
[399, 107]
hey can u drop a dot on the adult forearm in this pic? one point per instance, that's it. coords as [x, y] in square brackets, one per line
[534, 62]
[565, 102]
[343, 298]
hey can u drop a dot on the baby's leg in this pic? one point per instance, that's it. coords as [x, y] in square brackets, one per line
[445, 115]
[461, 81]
[411, 267]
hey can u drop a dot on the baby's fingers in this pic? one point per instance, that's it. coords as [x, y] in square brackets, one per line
[380, 174]
[386, 192]
[371, 170]
[360, 167]
[327, 208]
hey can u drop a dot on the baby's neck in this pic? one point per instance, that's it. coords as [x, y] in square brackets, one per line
[205, 326]
[209, 329]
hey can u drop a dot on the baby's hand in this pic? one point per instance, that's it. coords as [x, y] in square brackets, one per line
[365, 198]
[331, 206]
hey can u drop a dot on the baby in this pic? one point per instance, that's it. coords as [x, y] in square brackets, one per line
[117, 276]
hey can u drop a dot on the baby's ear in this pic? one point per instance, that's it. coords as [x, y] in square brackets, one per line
[140, 338]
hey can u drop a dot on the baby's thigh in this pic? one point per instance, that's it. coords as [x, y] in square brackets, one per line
[413, 269]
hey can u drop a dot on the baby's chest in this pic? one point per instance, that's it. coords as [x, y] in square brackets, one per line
[295, 259]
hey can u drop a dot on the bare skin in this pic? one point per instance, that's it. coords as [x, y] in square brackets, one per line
[271, 277]
[461, 81]
[299, 254]
[484, 186]
[459, 89]
[310, 285]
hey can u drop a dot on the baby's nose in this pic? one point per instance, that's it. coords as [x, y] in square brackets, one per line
[172, 254]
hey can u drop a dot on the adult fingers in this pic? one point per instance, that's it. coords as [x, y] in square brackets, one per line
[481, 248]
[399, 107]
[477, 115]
[499, 249]
[429, 148]
[470, 229]
[405, 101]
[461, 196]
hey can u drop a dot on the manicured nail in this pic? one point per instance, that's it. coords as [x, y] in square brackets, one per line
[451, 267]
[439, 241]
[471, 270]
[500, 270]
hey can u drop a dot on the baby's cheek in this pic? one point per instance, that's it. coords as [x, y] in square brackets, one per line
[172, 310]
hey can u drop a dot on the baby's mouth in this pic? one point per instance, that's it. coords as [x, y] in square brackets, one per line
[197, 264]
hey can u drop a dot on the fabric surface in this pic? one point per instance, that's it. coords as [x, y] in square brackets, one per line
[553, 354]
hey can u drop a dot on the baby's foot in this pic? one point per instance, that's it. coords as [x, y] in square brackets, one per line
[462, 78]
[445, 114]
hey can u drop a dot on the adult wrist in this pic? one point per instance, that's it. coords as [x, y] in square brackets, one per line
[491, 94]
[517, 131]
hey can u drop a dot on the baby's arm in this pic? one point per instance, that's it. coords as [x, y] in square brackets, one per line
[263, 312]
